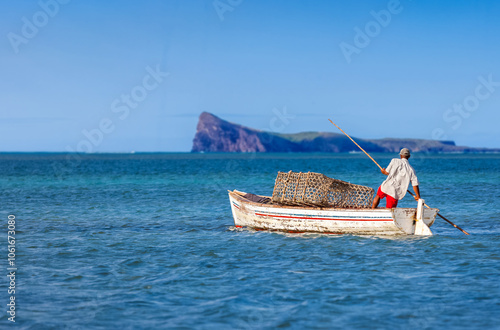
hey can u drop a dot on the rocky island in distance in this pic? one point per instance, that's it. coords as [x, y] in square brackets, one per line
[214, 134]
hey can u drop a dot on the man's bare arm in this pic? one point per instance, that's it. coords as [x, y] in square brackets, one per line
[417, 193]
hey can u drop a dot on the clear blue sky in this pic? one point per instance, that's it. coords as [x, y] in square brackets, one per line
[68, 68]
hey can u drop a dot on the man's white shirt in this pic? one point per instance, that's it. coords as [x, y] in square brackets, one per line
[400, 175]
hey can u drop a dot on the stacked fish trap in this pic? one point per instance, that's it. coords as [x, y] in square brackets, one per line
[316, 189]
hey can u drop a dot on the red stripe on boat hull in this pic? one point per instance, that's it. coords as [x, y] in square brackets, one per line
[310, 218]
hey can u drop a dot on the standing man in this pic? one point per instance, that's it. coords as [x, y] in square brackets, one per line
[399, 173]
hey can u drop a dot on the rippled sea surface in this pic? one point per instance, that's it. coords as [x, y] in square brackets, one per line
[147, 241]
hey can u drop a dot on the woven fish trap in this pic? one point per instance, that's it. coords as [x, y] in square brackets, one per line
[316, 189]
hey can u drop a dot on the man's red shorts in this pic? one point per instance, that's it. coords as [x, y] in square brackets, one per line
[390, 201]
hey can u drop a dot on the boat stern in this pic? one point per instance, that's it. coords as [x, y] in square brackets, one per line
[405, 218]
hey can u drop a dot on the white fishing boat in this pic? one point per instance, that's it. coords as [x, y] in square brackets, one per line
[313, 202]
[263, 214]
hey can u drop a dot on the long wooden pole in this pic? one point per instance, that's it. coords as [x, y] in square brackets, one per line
[451, 223]
[356, 143]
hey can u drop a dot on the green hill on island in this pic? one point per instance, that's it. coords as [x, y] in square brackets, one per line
[217, 135]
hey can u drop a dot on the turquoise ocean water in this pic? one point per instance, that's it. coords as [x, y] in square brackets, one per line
[147, 241]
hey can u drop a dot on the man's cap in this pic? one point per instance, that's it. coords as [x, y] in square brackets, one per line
[404, 152]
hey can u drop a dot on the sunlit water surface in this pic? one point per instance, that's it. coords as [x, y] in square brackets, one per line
[147, 241]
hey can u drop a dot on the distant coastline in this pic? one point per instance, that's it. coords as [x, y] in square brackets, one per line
[214, 134]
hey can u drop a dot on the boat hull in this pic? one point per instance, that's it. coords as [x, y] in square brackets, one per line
[397, 221]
